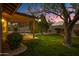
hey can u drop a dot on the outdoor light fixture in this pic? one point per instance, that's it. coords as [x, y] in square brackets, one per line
[9, 23]
[14, 24]
[4, 29]
[38, 20]
[2, 20]
[4, 25]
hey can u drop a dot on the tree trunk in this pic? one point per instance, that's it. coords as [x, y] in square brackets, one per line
[67, 35]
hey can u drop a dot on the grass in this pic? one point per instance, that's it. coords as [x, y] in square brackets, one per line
[51, 45]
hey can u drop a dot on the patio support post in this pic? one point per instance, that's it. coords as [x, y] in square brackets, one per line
[33, 29]
[0, 29]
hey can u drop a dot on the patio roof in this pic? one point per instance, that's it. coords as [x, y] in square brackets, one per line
[11, 14]
[21, 18]
[10, 8]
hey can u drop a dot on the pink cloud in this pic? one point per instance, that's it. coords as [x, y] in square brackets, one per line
[53, 18]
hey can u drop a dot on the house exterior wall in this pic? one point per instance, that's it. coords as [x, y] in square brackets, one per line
[61, 29]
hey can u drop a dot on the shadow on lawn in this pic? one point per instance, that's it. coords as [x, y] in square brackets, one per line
[50, 45]
[75, 45]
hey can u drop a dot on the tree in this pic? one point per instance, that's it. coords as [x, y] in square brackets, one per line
[62, 11]
[44, 24]
[38, 12]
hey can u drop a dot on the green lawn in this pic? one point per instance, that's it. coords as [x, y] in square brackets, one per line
[50, 45]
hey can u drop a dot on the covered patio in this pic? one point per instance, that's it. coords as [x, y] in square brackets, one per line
[11, 17]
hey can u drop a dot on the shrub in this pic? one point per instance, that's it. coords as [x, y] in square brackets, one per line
[76, 32]
[57, 30]
[14, 40]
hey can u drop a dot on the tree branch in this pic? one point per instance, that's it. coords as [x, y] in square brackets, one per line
[65, 13]
[55, 14]
[75, 19]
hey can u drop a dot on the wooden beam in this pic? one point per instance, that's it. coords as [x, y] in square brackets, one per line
[16, 9]
[10, 6]
[9, 9]
[5, 9]
[14, 4]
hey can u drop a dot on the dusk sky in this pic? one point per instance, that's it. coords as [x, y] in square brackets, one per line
[24, 9]
[25, 6]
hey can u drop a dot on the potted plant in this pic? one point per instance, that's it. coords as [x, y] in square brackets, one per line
[14, 39]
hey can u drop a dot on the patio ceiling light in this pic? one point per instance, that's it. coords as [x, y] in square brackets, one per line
[3, 20]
